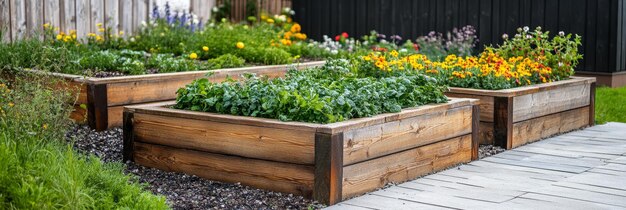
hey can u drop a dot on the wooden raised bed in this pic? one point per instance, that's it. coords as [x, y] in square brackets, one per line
[328, 162]
[514, 117]
[105, 98]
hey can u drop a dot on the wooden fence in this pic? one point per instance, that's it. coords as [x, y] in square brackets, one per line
[602, 23]
[22, 18]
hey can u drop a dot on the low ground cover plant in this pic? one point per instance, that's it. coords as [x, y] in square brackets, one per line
[40, 170]
[610, 106]
[332, 93]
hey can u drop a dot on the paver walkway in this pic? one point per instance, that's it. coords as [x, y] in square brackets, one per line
[579, 170]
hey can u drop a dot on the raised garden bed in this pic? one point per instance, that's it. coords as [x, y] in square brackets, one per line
[101, 100]
[327, 162]
[513, 117]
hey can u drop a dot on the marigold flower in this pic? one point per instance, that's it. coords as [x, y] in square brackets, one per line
[193, 56]
[45, 126]
[101, 29]
[46, 25]
[59, 36]
[205, 48]
[295, 28]
[270, 20]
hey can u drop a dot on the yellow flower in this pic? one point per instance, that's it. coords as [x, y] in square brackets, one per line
[45, 126]
[91, 35]
[99, 25]
[295, 28]
[11, 104]
[240, 45]
[394, 53]
[99, 38]
[101, 29]
[121, 33]
[285, 41]
[270, 20]
[59, 37]
[46, 25]
[193, 56]
[205, 48]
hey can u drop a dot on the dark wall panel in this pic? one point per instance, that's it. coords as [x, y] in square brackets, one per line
[602, 23]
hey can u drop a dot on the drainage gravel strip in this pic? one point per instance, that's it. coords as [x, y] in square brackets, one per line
[191, 192]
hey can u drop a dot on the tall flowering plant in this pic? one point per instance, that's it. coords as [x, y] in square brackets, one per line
[559, 52]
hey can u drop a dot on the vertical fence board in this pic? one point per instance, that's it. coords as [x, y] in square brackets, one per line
[52, 12]
[18, 19]
[602, 27]
[83, 18]
[139, 13]
[126, 16]
[34, 18]
[5, 21]
[111, 19]
[97, 15]
[590, 36]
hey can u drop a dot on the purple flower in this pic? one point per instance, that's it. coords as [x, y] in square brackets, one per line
[155, 11]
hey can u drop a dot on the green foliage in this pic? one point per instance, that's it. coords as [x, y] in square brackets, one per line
[226, 61]
[559, 53]
[327, 94]
[161, 37]
[610, 106]
[166, 63]
[40, 170]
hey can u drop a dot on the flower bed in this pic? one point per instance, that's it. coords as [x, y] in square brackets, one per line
[328, 162]
[524, 85]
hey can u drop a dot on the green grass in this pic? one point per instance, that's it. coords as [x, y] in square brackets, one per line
[610, 105]
[40, 170]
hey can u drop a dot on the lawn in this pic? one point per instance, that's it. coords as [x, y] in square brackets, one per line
[610, 105]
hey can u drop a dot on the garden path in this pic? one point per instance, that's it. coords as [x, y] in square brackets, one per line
[580, 170]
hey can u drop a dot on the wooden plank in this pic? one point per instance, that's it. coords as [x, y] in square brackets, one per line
[97, 10]
[97, 106]
[476, 193]
[549, 125]
[378, 140]
[583, 195]
[114, 116]
[126, 16]
[5, 21]
[407, 165]
[592, 104]
[524, 90]
[128, 137]
[551, 101]
[52, 13]
[431, 198]
[34, 19]
[291, 146]
[535, 164]
[503, 122]
[18, 19]
[381, 202]
[68, 15]
[475, 131]
[79, 115]
[275, 176]
[111, 16]
[140, 13]
[486, 104]
[328, 168]
[485, 133]
[83, 18]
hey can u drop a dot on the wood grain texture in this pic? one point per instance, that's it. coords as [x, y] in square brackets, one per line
[549, 125]
[68, 15]
[150, 88]
[126, 16]
[284, 145]
[475, 131]
[486, 104]
[275, 176]
[573, 81]
[83, 18]
[52, 12]
[18, 19]
[328, 168]
[592, 100]
[114, 116]
[111, 15]
[97, 107]
[378, 140]
[503, 121]
[5, 20]
[79, 115]
[406, 165]
[485, 133]
[550, 101]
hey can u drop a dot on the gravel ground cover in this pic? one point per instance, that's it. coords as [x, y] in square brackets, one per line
[192, 192]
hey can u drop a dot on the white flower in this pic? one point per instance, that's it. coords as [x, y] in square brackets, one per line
[561, 33]
[403, 50]
[505, 36]
[560, 64]
[526, 28]
[528, 36]
[132, 39]
[334, 52]
[215, 9]
[143, 23]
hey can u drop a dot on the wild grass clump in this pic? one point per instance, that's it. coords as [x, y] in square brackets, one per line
[40, 170]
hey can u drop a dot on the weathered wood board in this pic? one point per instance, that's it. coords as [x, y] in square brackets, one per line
[328, 162]
[514, 117]
[106, 97]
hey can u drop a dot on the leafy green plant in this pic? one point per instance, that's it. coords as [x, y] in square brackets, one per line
[40, 170]
[226, 61]
[327, 94]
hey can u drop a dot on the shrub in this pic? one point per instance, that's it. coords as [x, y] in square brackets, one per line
[39, 169]
[331, 93]
[226, 61]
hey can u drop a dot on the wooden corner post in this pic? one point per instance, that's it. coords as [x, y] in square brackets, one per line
[503, 122]
[97, 107]
[592, 104]
[129, 137]
[475, 131]
[328, 168]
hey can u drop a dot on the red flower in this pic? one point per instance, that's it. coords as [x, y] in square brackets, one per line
[416, 47]
[337, 38]
[344, 34]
